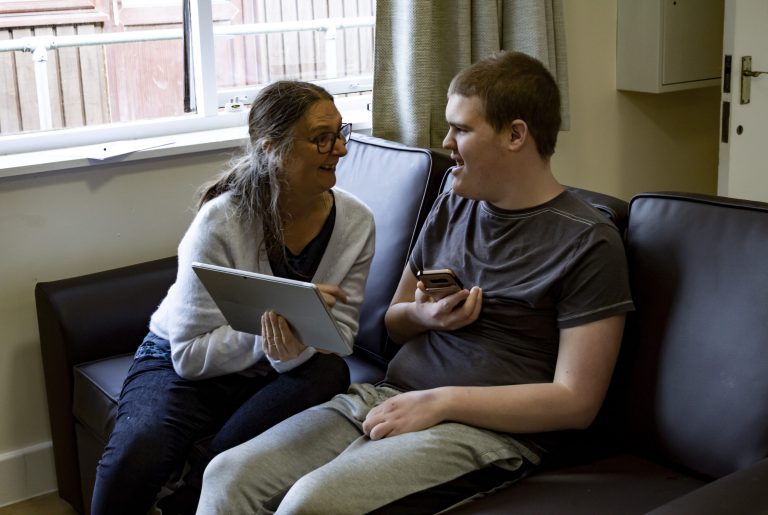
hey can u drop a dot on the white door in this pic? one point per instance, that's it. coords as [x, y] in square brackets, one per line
[743, 168]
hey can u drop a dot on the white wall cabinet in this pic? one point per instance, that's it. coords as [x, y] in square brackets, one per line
[668, 45]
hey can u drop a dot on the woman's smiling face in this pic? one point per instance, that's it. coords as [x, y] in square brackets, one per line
[306, 170]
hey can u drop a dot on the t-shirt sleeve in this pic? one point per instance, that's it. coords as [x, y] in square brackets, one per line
[596, 282]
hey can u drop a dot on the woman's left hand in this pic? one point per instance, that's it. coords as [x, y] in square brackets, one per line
[277, 340]
[331, 294]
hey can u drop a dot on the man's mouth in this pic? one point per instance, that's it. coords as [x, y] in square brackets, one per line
[328, 168]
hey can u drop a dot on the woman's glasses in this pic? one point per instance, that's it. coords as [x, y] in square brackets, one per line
[327, 140]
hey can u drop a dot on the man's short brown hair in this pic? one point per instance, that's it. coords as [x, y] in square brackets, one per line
[514, 86]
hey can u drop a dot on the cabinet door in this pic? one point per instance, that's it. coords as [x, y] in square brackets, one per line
[692, 40]
[668, 45]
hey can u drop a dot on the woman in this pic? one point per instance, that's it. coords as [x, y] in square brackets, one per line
[275, 212]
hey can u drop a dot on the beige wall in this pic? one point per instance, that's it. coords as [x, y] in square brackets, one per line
[621, 142]
[69, 223]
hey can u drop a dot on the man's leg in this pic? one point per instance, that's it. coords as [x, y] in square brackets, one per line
[371, 474]
[245, 478]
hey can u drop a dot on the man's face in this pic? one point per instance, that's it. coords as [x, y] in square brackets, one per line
[474, 145]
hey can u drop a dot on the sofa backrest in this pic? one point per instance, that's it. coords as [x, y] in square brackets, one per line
[399, 184]
[693, 375]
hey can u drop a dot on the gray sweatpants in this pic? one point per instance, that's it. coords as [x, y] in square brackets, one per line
[321, 462]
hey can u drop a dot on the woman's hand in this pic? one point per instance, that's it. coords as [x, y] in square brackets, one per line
[277, 340]
[332, 294]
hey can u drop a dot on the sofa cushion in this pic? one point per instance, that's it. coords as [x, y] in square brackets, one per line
[97, 387]
[693, 361]
[619, 484]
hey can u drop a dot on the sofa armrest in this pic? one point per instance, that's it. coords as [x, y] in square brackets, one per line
[83, 319]
[742, 492]
[102, 314]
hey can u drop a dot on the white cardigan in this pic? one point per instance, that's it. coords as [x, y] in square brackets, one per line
[202, 343]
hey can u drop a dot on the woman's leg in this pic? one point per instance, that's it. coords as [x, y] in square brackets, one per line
[314, 382]
[159, 416]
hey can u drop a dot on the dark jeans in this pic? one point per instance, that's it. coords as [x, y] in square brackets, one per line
[160, 416]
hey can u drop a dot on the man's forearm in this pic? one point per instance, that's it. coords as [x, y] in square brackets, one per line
[527, 408]
[402, 323]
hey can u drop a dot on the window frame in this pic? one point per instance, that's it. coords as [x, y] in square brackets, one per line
[26, 153]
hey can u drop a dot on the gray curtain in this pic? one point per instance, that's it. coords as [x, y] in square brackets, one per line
[422, 44]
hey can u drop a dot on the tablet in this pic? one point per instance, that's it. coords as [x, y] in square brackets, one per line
[243, 296]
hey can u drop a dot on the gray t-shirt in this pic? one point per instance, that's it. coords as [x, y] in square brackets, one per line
[554, 266]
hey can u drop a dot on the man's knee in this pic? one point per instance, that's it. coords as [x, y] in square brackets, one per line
[229, 486]
[223, 471]
[312, 495]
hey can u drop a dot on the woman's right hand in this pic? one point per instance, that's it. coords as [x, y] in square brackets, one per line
[277, 340]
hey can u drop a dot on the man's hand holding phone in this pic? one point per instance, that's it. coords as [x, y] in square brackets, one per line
[443, 301]
[439, 283]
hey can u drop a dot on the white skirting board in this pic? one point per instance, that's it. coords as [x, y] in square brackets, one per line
[26, 473]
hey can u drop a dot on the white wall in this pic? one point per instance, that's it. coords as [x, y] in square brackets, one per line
[64, 224]
[79, 221]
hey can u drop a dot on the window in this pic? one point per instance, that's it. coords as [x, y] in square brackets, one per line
[101, 70]
[276, 53]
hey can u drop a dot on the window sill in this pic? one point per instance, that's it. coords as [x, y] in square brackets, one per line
[122, 151]
[131, 150]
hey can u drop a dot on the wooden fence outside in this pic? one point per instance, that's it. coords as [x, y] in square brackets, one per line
[92, 85]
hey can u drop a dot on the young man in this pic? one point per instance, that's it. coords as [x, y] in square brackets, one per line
[488, 377]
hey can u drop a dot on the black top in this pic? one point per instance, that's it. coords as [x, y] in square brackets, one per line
[302, 267]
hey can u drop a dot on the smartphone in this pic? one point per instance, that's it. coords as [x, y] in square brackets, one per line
[440, 282]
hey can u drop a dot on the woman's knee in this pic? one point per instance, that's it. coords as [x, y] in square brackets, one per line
[329, 370]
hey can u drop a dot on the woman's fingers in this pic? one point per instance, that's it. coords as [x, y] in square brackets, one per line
[332, 294]
[270, 338]
[291, 345]
[277, 339]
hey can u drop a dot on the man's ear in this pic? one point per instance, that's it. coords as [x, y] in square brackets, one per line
[518, 134]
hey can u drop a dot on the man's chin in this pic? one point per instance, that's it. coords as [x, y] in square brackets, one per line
[461, 191]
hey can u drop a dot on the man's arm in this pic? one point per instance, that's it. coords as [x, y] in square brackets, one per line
[412, 311]
[583, 372]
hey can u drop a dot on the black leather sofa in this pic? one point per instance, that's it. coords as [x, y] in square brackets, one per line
[685, 426]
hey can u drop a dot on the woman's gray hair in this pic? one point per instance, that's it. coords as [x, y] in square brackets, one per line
[255, 178]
